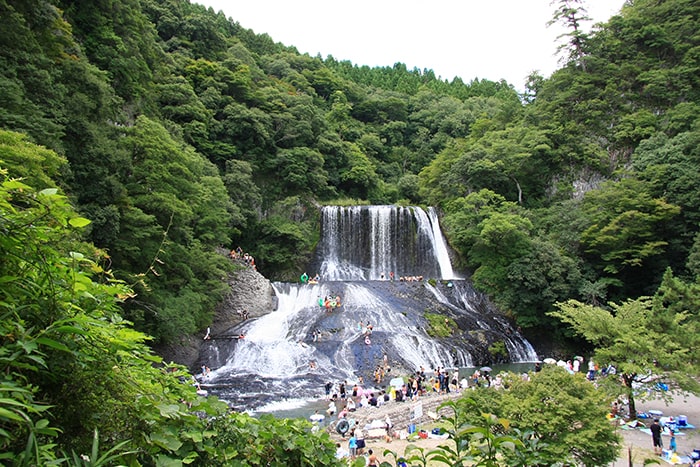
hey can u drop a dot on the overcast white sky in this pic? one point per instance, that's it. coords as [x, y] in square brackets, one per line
[485, 39]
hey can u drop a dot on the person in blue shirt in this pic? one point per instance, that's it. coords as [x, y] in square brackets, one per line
[352, 445]
[673, 446]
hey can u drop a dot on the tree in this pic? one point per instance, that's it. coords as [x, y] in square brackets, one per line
[240, 186]
[648, 340]
[70, 364]
[549, 418]
[570, 13]
[36, 166]
[296, 171]
[538, 279]
[563, 413]
[626, 231]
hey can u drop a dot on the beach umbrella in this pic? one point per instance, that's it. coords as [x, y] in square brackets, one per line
[485, 368]
[551, 361]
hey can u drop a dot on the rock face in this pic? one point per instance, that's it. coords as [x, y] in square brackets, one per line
[249, 291]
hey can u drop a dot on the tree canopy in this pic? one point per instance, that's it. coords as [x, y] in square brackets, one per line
[160, 130]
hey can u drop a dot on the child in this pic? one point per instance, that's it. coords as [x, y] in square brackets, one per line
[352, 445]
[672, 446]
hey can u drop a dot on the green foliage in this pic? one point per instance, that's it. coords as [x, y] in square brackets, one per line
[177, 130]
[571, 13]
[624, 220]
[277, 123]
[480, 439]
[284, 241]
[37, 166]
[498, 350]
[645, 339]
[63, 339]
[97, 460]
[561, 415]
[245, 441]
[440, 325]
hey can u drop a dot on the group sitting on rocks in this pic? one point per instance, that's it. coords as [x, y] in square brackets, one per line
[245, 258]
[243, 314]
[410, 278]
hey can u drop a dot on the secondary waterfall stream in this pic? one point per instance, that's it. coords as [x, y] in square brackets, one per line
[291, 352]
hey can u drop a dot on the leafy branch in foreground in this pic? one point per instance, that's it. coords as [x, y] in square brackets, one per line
[70, 363]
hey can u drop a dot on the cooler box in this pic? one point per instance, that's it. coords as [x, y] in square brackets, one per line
[682, 420]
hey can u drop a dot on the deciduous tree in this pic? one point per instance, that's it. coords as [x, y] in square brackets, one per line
[649, 340]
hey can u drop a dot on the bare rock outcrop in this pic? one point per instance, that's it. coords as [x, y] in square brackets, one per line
[250, 294]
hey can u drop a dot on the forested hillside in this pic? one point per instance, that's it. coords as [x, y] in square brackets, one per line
[173, 130]
[182, 131]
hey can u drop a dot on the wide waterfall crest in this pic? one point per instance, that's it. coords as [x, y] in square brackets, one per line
[371, 242]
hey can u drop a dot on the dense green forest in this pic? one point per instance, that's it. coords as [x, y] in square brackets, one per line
[182, 131]
[173, 130]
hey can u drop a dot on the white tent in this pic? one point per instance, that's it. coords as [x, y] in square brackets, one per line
[396, 382]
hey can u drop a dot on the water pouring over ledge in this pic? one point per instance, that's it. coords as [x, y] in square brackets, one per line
[291, 352]
[370, 242]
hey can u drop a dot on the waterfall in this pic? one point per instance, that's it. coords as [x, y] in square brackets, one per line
[476, 307]
[281, 344]
[440, 246]
[370, 242]
[296, 348]
[274, 344]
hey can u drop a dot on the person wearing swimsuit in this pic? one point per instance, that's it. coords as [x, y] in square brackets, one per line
[372, 459]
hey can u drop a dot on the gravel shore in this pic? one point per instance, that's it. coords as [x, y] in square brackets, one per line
[634, 441]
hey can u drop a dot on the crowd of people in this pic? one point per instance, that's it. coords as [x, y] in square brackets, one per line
[392, 276]
[576, 365]
[329, 302]
[345, 398]
[410, 278]
[239, 255]
[413, 387]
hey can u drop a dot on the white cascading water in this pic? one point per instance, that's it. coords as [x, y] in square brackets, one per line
[441, 252]
[282, 356]
[273, 344]
[277, 345]
[519, 349]
[370, 242]
[381, 243]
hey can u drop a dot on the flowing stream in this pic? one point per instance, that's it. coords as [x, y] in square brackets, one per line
[289, 354]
